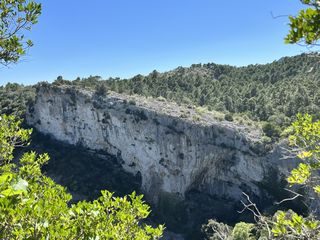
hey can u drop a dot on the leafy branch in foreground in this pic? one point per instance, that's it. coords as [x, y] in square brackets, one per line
[33, 206]
[11, 136]
[305, 27]
[306, 144]
[16, 17]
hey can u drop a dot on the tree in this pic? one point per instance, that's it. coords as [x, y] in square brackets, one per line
[271, 129]
[306, 143]
[216, 231]
[305, 27]
[242, 231]
[101, 90]
[16, 17]
[33, 206]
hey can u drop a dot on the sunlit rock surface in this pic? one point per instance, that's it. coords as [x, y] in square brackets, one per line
[176, 150]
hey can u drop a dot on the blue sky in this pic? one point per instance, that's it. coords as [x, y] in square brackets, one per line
[122, 38]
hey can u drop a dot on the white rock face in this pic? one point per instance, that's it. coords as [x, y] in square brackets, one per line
[173, 155]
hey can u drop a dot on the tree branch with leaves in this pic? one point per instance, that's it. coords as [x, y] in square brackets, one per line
[16, 18]
[305, 27]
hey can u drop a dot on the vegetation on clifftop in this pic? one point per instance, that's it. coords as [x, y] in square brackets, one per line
[271, 93]
[15, 98]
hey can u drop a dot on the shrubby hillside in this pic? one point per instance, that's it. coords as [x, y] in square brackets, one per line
[271, 93]
[263, 92]
[14, 98]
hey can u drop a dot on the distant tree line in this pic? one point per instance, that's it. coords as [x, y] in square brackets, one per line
[15, 98]
[273, 93]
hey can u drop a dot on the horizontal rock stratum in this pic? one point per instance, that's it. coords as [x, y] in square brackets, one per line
[174, 148]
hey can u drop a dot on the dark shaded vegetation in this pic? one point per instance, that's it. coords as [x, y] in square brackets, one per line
[82, 172]
[101, 90]
[14, 99]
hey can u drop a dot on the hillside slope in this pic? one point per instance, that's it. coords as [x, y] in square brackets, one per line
[273, 92]
[286, 86]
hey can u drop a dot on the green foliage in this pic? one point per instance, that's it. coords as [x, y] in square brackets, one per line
[287, 132]
[15, 99]
[271, 130]
[243, 231]
[228, 117]
[101, 90]
[300, 175]
[11, 136]
[33, 206]
[289, 225]
[215, 230]
[305, 27]
[16, 17]
[305, 143]
[266, 140]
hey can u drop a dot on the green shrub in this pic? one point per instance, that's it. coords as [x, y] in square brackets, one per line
[101, 90]
[287, 132]
[266, 140]
[161, 99]
[132, 102]
[201, 110]
[215, 230]
[228, 117]
[243, 231]
[271, 130]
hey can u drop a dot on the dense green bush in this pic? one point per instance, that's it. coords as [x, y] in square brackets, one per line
[271, 130]
[228, 117]
[243, 231]
[15, 98]
[215, 230]
[101, 90]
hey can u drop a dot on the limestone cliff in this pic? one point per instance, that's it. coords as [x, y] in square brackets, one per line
[174, 148]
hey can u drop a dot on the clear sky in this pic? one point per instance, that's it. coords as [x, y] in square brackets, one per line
[122, 38]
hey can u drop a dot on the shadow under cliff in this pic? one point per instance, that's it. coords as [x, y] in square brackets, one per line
[85, 173]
